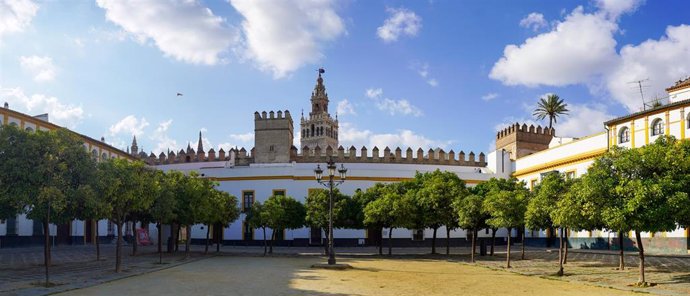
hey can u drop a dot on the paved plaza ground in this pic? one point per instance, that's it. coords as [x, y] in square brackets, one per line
[411, 271]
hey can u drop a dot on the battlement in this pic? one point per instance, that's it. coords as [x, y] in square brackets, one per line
[272, 115]
[318, 155]
[435, 157]
[517, 128]
[522, 140]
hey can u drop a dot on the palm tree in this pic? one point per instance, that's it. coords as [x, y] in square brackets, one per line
[552, 106]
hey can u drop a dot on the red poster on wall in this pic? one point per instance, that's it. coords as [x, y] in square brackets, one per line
[143, 237]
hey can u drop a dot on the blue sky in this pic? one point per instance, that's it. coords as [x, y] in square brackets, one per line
[401, 73]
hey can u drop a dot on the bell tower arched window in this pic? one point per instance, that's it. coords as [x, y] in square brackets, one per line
[657, 127]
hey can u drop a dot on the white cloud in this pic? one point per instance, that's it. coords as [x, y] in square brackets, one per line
[244, 138]
[663, 61]
[423, 71]
[581, 50]
[345, 107]
[489, 96]
[130, 125]
[16, 15]
[374, 93]
[41, 68]
[393, 107]
[583, 120]
[352, 136]
[534, 21]
[60, 113]
[400, 22]
[162, 140]
[615, 8]
[184, 30]
[282, 36]
[577, 50]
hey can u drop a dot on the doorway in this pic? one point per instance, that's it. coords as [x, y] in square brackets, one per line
[315, 236]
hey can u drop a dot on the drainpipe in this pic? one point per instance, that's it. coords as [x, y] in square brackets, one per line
[608, 141]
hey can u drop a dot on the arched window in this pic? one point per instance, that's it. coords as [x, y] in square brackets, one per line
[687, 121]
[104, 156]
[312, 130]
[624, 135]
[94, 154]
[29, 129]
[657, 127]
[14, 124]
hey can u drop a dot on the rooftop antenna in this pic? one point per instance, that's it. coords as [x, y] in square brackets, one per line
[639, 85]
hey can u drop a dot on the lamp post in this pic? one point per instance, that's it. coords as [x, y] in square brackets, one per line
[330, 183]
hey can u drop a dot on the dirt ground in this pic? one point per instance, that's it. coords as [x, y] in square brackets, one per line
[293, 276]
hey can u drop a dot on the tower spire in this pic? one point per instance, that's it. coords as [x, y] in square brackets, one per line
[135, 147]
[200, 145]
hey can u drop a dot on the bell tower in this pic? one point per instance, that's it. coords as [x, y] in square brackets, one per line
[319, 129]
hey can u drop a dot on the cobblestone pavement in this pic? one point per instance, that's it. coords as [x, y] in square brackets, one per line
[22, 271]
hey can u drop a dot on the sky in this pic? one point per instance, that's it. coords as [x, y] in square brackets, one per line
[427, 74]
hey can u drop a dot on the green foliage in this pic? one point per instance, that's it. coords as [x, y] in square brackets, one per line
[544, 200]
[470, 212]
[283, 212]
[506, 208]
[435, 197]
[345, 211]
[123, 185]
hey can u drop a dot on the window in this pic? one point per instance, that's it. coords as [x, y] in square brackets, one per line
[247, 200]
[657, 127]
[624, 135]
[104, 156]
[29, 129]
[94, 154]
[532, 184]
[277, 192]
[687, 122]
[570, 175]
[13, 124]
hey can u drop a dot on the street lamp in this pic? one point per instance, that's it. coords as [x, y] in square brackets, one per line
[330, 183]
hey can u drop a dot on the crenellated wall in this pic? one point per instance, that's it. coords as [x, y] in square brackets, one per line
[524, 140]
[317, 155]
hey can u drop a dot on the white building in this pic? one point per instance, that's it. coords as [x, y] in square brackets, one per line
[275, 166]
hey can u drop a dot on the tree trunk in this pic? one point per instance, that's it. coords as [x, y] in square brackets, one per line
[560, 254]
[641, 281]
[160, 243]
[177, 237]
[550, 121]
[273, 238]
[98, 244]
[493, 241]
[265, 242]
[118, 248]
[390, 241]
[208, 231]
[522, 255]
[433, 242]
[508, 248]
[447, 240]
[188, 238]
[325, 245]
[565, 247]
[135, 238]
[171, 247]
[474, 244]
[46, 250]
[219, 232]
[621, 256]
